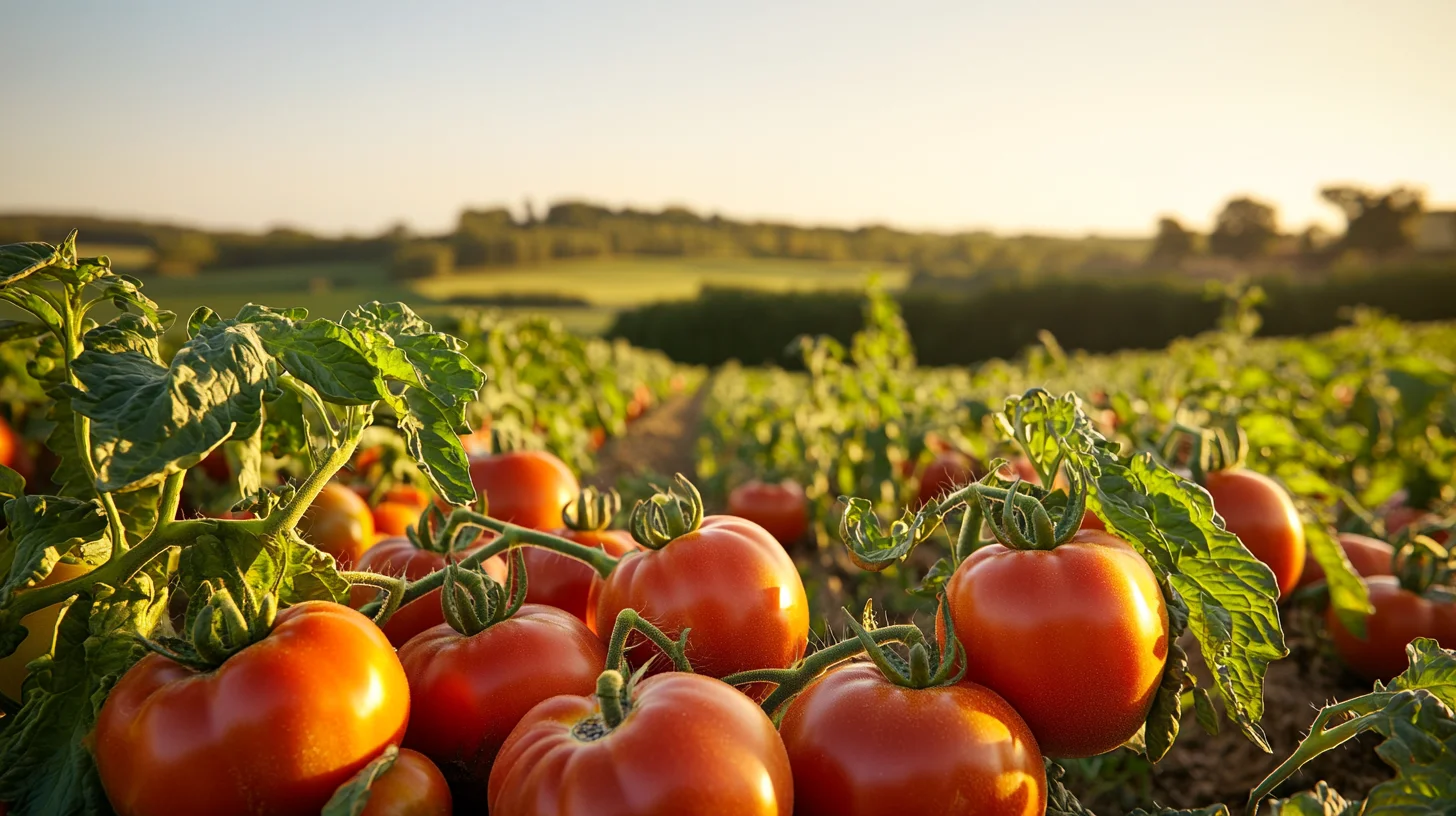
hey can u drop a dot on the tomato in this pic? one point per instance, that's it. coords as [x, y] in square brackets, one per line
[1091, 521]
[729, 581]
[1257, 510]
[275, 729]
[1075, 637]
[399, 557]
[470, 691]
[339, 523]
[10, 444]
[779, 508]
[1400, 616]
[564, 582]
[528, 488]
[394, 518]
[1369, 556]
[1402, 517]
[860, 745]
[413, 786]
[40, 637]
[689, 744]
[948, 471]
[215, 465]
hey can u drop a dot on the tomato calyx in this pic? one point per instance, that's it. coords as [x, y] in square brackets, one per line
[668, 515]
[628, 621]
[1220, 447]
[1027, 525]
[928, 666]
[222, 626]
[592, 511]
[473, 602]
[1421, 564]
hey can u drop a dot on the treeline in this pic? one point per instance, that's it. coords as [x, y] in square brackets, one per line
[961, 328]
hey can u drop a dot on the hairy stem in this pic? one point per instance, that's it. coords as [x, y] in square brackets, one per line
[794, 679]
[1320, 740]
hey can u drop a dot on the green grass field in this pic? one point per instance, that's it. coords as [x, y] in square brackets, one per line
[328, 289]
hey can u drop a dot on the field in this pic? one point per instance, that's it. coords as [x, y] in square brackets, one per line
[606, 285]
[1085, 583]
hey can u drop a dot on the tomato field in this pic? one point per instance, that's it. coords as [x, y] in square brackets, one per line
[295, 564]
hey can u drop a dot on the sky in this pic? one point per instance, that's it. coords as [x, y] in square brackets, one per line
[1059, 116]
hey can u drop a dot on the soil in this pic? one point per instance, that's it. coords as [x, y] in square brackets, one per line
[1200, 770]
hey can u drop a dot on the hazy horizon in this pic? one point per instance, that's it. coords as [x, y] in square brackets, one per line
[1053, 120]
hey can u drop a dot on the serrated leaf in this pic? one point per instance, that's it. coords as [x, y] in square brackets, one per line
[934, 581]
[408, 349]
[148, 421]
[1204, 711]
[125, 293]
[319, 352]
[18, 261]
[127, 332]
[1161, 728]
[69, 477]
[870, 546]
[45, 765]
[1060, 801]
[353, 796]
[1348, 595]
[286, 565]
[12, 484]
[1322, 801]
[435, 445]
[45, 529]
[20, 330]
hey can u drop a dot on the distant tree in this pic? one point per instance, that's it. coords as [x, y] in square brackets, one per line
[1173, 244]
[1245, 229]
[182, 252]
[422, 260]
[1377, 223]
[1314, 239]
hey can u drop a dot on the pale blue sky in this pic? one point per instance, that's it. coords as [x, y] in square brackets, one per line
[1055, 116]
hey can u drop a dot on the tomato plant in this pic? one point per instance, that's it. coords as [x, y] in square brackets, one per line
[563, 582]
[673, 743]
[780, 508]
[1260, 512]
[529, 488]
[1413, 603]
[41, 632]
[475, 677]
[277, 725]
[406, 557]
[870, 739]
[725, 578]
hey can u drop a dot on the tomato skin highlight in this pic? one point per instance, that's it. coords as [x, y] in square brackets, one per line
[779, 508]
[1074, 638]
[40, 626]
[275, 729]
[564, 582]
[413, 786]
[528, 488]
[1369, 556]
[859, 745]
[689, 745]
[394, 518]
[471, 691]
[399, 557]
[729, 581]
[339, 523]
[1400, 616]
[1257, 510]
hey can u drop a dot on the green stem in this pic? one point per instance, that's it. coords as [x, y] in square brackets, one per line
[794, 679]
[392, 588]
[628, 620]
[1320, 740]
[71, 349]
[288, 516]
[593, 557]
[609, 697]
[171, 499]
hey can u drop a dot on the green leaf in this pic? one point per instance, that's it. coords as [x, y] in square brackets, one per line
[873, 549]
[45, 766]
[18, 261]
[20, 330]
[1347, 591]
[1204, 711]
[45, 529]
[319, 352]
[127, 332]
[1322, 801]
[125, 293]
[285, 565]
[1060, 801]
[934, 581]
[148, 421]
[434, 444]
[138, 509]
[1211, 810]
[1164, 718]
[70, 475]
[407, 349]
[353, 796]
[12, 484]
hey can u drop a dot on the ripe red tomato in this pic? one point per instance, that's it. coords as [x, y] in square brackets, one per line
[215, 465]
[40, 627]
[470, 691]
[399, 557]
[779, 508]
[1091, 521]
[528, 488]
[689, 744]
[948, 471]
[860, 745]
[729, 581]
[564, 582]
[274, 729]
[394, 518]
[413, 786]
[1400, 616]
[1257, 510]
[1094, 613]
[339, 523]
[1369, 556]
